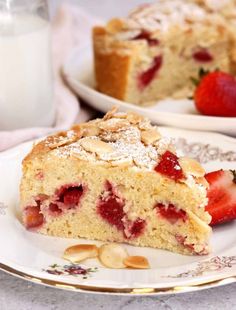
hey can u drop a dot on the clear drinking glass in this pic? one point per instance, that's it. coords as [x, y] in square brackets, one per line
[26, 82]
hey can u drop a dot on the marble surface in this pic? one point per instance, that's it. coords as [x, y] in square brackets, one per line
[21, 295]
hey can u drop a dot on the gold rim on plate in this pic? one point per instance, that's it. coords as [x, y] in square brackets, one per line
[122, 291]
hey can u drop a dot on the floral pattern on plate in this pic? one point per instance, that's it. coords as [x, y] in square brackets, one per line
[214, 264]
[204, 152]
[71, 270]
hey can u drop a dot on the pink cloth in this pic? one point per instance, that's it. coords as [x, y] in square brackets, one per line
[71, 27]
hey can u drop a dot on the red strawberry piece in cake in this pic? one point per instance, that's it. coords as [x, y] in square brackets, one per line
[171, 213]
[202, 55]
[170, 167]
[144, 35]
[54, 209]
[33, 218]
[145, 78]
[110, 207]
[215, 94]
[182, 240]
[70, 195]
[221, 196]
[137, 228]
[134, 229]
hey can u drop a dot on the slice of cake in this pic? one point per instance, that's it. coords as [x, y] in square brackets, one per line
[157, 49]
[116, 179]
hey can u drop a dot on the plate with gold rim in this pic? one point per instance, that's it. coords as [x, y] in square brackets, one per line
[78, 71]
[38, 258]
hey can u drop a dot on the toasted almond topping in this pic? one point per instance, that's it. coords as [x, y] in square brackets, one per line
[124, 162]
[110, 113]
[150, 136]
[114, 25]
[114, 124]
[90, 129]
[137, 262]
[80, 252]
[62, 138]
[134, 118]
[120, 115]
[96, 146]
[144, 125]
[112, 255]
[191, 166]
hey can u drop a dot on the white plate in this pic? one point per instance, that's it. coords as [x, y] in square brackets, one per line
[30, 255]
[78, 72]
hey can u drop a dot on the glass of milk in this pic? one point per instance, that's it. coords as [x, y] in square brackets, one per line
[26, 82]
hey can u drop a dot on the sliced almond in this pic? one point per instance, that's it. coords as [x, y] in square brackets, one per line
[114, 124]
[96, 146]
[62, 138]
[112, 255]
[134, 118]
[191, 166]
[80, 252]
[90, 129]
[137, 262]
[110, 113]
[124, 162]
[120, 115]
[150, 136]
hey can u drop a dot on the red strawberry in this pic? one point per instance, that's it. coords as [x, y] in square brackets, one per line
[202, 55]
[171, 213]
[222, 196]
[72, 196]
[216, 94]
[32, 217]
[144, 35]
[146, 77]
[169, 166]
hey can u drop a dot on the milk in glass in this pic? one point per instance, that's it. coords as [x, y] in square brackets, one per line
[26, 90]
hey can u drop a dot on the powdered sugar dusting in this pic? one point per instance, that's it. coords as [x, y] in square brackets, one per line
[163, 14]
[118, 142]
[137, 153]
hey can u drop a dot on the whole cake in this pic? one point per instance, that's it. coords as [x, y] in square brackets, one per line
[116, 179]
[156, 51]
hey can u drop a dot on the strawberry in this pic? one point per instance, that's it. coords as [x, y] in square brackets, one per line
[171, 213]
[70, 196]
[146, 77]
[169, 166]
[33, 217]
[215, 94]
[222, 196]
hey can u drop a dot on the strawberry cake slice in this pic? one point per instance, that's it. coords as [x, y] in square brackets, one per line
[116, 179]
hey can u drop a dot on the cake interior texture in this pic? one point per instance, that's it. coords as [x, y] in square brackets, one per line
[156, 51]
[116, 179]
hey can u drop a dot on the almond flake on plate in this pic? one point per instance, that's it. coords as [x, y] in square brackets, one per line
[80, 252]
[136, 262]
[112, 255]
